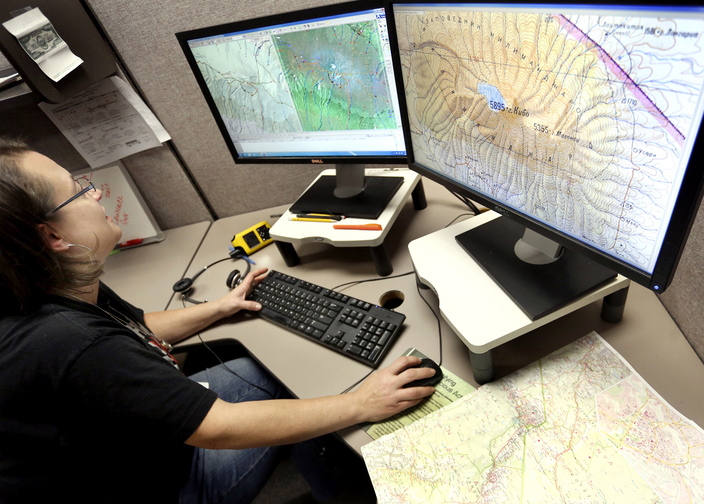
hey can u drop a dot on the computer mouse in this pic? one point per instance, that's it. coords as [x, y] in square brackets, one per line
[425, 382]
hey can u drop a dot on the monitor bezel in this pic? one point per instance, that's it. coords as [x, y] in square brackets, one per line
[688, 200]
[276, 19]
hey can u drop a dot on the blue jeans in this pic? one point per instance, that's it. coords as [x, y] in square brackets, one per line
[219, 476]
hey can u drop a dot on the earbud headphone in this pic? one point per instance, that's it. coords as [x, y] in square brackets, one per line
[185, 285]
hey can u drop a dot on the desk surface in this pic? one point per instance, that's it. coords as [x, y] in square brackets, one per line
[647, 337]
[144, 275]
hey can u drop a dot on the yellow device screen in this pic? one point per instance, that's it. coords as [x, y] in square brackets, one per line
[252, 239]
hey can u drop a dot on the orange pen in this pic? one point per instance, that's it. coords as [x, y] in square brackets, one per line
[367, 227]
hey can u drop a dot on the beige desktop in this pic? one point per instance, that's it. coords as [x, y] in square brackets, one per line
[646, 337]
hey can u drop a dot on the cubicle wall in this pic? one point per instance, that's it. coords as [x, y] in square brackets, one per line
[685, 297]
[142, 34]
[192, 178]
[162, 181]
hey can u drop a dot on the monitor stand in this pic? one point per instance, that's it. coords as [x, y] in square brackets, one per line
[538, 282]
[288, 233]
[477, 309]
[349, 192]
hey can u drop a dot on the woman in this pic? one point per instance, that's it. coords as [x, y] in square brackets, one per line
[93, 407]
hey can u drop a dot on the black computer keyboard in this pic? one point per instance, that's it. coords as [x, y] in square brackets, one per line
[355, 328]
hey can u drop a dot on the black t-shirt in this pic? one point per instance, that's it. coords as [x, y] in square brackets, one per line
[89, 412]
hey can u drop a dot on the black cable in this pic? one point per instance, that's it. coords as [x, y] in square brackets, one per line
[338, 288]
[467, 202]
[357, 382]
[207, 347]
[455, 219]
[357, 282]
[440, 349]
[437, 319]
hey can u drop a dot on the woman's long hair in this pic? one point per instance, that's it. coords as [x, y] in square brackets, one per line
[29, 268]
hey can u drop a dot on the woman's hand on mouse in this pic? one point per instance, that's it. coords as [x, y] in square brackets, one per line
[285, 421]
[382, 394]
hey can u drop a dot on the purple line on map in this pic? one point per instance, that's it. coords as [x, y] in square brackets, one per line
[629, 83]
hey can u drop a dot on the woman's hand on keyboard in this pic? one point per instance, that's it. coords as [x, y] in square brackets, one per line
[236, 299]
[382, 394]
[175, 325]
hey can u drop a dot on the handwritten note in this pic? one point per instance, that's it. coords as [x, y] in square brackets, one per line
[125, 205]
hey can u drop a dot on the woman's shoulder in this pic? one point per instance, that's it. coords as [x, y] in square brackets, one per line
[57, 330]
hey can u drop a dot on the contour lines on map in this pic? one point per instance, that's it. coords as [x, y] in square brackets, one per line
[577, 110]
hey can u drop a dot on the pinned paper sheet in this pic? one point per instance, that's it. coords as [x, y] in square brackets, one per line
[107, 122]
[42, 43]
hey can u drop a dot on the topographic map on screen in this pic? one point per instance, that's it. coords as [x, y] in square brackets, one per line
[582, 119]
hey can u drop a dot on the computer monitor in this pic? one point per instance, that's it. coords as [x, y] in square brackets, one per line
[578, 122]
[313, 86]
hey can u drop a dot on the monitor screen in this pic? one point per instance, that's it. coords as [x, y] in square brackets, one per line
[310, 86]
[580, 122]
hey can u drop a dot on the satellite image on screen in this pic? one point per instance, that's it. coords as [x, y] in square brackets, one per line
[317, 79]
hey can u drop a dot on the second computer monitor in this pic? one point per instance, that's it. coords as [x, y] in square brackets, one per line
[580, 122]
[313, 86]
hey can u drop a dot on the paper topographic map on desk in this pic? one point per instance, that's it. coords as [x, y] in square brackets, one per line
[579, 426]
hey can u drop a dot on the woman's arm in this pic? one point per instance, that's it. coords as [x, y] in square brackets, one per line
[284, 421]
[175, 325]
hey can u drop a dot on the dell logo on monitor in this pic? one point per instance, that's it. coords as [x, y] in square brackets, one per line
[317, 161]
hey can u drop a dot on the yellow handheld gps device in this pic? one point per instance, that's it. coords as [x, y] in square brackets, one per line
[252, 239]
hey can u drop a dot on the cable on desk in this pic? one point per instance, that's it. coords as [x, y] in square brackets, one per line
[348, 284]
[455, 219]
[357, 282]
[357, 382]
[439, 335]
[437, 319]
[183, 302]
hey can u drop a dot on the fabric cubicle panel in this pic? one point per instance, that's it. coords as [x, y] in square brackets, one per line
[156, 172]
[684, 299]
[76, 29]
[143, 33]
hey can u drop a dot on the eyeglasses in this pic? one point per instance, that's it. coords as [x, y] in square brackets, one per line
[86, 186]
